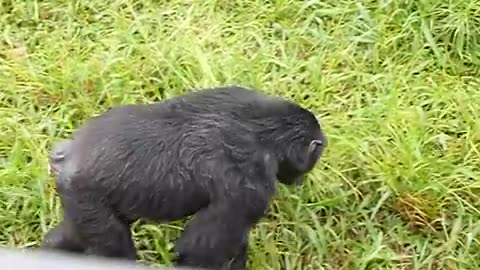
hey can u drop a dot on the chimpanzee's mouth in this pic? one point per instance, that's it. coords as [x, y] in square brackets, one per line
[52, 170]
[299, 180]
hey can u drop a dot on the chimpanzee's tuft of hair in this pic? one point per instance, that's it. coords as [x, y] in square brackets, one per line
[215, 153]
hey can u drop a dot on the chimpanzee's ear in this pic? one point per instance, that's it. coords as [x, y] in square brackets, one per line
[314, 144]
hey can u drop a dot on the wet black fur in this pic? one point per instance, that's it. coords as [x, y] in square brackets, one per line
[216, 153]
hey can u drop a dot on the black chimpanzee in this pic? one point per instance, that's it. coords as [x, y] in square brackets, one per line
[216, 154]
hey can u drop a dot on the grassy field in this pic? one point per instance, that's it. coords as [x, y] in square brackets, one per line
[395, 83]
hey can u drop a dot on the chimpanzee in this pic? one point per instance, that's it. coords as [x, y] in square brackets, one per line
[214, 153]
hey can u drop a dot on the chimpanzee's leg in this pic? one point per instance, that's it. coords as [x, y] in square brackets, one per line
[102, 233]
[217, 237]
[239, 262]
[62, 237]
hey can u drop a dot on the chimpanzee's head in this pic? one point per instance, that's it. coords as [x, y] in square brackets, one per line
[304, 148]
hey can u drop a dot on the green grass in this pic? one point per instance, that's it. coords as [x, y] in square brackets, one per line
[395, 83]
